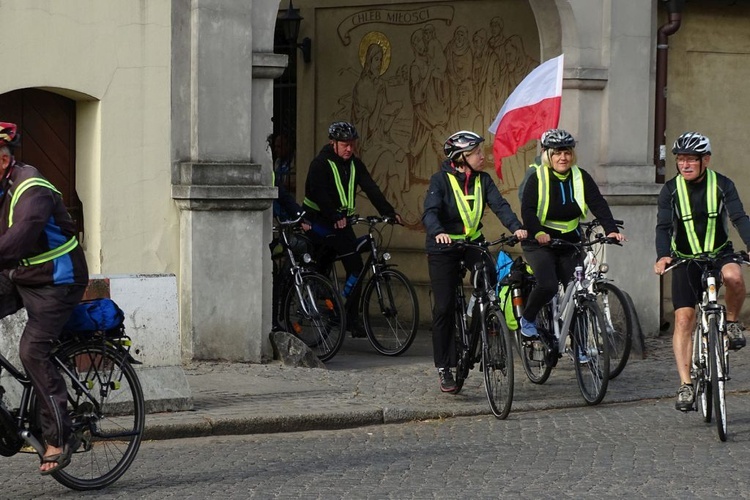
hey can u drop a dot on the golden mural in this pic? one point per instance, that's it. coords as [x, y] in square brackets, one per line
[416, 76]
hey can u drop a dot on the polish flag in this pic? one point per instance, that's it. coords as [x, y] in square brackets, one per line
[532, 108]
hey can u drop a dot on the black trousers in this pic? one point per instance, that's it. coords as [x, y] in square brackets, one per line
[445, 276]
[341, 243]
[48, 308]
[550, 266]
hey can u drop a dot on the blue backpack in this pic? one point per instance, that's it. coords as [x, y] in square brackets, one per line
[96, 314]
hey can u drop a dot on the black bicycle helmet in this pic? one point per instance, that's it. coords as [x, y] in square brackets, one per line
[557, 138]
[9, 135]
[342, 131]
[461, 142]
[692, 143]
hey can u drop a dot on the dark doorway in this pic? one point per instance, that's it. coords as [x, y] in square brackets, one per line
[47, 123]
[285, 106]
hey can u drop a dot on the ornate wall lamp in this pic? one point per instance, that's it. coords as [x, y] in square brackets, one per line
[290, 22]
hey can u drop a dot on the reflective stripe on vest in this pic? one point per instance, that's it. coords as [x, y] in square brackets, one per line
[686, 216]
[469, 216]
[347, 202]
[543, 186]
[49, 254]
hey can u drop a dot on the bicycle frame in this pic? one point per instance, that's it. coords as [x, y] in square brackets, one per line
[484, 297]
[376, 261]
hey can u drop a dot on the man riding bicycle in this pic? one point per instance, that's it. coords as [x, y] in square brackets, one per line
[694, 209]
[330, 197]
[44, 270]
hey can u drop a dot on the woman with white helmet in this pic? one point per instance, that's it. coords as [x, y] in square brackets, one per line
[460, 182]
[553, 201]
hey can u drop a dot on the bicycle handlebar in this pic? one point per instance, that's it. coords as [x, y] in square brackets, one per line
[372, 220]
[510, 240]
[600, 239]
[591, 225]
[706, 260]
[290, 222]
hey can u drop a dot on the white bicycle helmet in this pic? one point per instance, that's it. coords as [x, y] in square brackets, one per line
[557, 138]
[692, 143]
[461, 142]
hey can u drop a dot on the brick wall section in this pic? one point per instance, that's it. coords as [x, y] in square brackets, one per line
[98, 288]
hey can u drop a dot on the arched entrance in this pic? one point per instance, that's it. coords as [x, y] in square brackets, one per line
[47, 123]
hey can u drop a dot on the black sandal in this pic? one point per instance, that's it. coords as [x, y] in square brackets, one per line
[62, 459]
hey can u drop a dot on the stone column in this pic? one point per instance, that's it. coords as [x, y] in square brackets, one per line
[222, 102]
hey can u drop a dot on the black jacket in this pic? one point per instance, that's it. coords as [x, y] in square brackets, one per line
[441, 213]
[668, 222]
[320, 186]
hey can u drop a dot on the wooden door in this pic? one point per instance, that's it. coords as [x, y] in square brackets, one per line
[47, 123]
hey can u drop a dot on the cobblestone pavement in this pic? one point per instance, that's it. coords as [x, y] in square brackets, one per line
[643, 449]
[360, 387]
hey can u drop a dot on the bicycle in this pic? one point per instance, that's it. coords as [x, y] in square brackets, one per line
[617, 309]
[312, 307]
[105, 402]
[574, 309]
[709, 369]
[388, 304]
[488, 324]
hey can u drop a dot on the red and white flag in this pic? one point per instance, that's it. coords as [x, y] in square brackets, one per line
[532, 108]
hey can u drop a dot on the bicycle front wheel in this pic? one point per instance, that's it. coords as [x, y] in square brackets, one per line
[497, 363]
[107, 408]
[590, 352]
[314, 313]
[390, 312]
[618, 321]
[536, 356]
[718, 376]
[701, 373]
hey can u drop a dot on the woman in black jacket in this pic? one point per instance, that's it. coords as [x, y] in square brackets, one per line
[453, 209]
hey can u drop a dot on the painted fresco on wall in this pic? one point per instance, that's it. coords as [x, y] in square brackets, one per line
[409, 77]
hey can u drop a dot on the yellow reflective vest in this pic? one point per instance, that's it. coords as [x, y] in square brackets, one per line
[543, 186]
[471, 216]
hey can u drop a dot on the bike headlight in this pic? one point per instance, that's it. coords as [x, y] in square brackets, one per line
[306, 258]
[386, 256]
[492, 295]
[585, 283]
[603, 268]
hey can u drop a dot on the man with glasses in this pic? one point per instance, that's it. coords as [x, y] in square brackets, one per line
[695, 207]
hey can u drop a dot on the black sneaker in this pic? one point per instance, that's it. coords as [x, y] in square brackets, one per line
[357, 330]
[447, 382]
[685, 398]
[735, 336]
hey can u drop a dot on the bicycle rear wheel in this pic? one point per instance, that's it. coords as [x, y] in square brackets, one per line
[718, 376]
[313, 311]
[618, 321]
[390, 312]
[497, 364]
[590, 352]
[536, 355]
[110, 430]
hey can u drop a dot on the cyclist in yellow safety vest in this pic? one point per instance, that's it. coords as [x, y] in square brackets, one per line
[43, 270]
[453, 209]
[695, 207]
[330, 197]
[553, 201]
